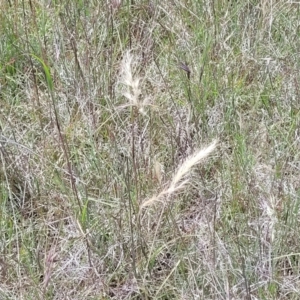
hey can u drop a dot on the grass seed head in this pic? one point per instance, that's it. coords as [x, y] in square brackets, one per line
[179, 179]
[132, 83]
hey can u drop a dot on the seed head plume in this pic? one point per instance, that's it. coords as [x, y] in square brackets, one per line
[133, 91]
[179, 179]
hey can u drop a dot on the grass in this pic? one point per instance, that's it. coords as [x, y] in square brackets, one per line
[149, 149]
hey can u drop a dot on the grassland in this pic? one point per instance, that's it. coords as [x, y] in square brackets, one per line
[104, 107]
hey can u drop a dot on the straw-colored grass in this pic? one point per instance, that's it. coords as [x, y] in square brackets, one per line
[178, 182]
[104, 193]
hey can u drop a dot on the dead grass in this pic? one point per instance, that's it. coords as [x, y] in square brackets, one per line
[103, 191]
